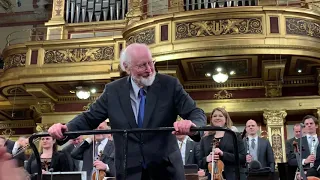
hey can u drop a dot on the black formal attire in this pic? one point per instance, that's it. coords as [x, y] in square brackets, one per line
[228, 158]
[155, 153]
[85, 152]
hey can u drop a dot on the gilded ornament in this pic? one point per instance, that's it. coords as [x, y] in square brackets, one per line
[219, 27]
[43, 107]
[79, 55]
[303, 27]
[15, 60]
[223, 94]
[86, 108]
[273, 89]
[43, 127]
[58, 6]
[274, 117]
[7, 133]
[276, 140]
[146, 36]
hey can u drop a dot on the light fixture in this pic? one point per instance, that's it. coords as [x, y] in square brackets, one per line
[82, 93]
[220, 77]
[232, 72]
[93, 90]
[299, 71]
[208, 74]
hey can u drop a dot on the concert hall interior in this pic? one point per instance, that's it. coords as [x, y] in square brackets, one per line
[256, 59]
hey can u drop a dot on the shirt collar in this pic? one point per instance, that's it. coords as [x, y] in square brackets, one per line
[184, 140]
[104, 142]
[308, 136]
[253, 137]
[135, 88]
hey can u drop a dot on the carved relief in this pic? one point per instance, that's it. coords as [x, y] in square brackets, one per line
[43, 107]
[8, 133]
[79, 55]
[219, 27]
[273, 89]
[274, 117]
[146, 36]
[223, 94]
[43, 127]
[86, 108]
[302, 27]
[15, 60]
[9, 125]
[58, 6]
[276, 141]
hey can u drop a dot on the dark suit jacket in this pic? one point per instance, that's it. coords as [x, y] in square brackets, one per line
[228, 159]
[9, 144]
[59, 163]
[165, 99]
[74, 164]
[264, 153]
[289, 146]
[192, 152]
[84, 152]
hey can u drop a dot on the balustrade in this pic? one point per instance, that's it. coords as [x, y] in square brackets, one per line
[205, 4]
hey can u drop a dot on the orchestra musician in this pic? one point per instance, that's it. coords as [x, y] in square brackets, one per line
[144, 99]
[51, 159]
[102, 144]
[220, 117]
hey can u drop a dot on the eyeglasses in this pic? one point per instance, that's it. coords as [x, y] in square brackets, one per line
[144, 65]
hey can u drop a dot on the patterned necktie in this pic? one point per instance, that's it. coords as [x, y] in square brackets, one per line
[141, 107]
[253, 144]
[96, 150]
[180, 145]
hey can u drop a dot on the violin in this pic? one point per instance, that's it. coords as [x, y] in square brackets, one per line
[98, 174]
[215, 167]
[296, 150]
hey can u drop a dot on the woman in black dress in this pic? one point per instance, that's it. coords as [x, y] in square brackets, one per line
[51, 159]
[224, 152]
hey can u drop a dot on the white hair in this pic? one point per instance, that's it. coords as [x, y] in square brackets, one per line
[124, 58]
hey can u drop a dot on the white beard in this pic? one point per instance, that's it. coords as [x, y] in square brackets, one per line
[146, 81]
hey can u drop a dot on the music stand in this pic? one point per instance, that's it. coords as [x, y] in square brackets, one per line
[75, 175]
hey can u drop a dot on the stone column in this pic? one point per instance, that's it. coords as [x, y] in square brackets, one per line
[318, 80]
[135, 10]
[56, 23]
[275, 120]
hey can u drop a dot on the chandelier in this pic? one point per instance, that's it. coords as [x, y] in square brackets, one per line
[219, 76]
[84, 93]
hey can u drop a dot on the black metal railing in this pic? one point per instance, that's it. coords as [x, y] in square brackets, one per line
[125, 133]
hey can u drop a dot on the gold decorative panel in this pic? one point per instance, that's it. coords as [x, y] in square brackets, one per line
[304, 27]
[146, 36]
[79, 55]
[276, 139]
[219, 27]
[15, 60]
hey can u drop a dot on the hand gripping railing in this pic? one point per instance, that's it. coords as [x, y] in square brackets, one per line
[137, 130]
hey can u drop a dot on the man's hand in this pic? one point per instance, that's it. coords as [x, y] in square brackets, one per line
[56, 130]
[8, 170]
[209, 158]
[218, 152]
[248, 158]
[182, 127]
[310, 159]
[100, 165]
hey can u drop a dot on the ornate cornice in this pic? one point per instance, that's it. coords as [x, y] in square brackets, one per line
[17, 124]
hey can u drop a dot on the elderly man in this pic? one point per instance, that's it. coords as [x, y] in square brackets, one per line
[145, 99]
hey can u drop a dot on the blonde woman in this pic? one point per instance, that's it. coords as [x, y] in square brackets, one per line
[220, 117]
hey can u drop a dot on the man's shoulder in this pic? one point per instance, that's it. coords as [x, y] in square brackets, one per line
[165, 77]
[117, 82]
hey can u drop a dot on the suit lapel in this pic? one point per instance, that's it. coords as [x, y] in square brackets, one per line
[124, 96]
[151, 101]
[106, 150]
[188, 149]
[259, 148]
[305, 145]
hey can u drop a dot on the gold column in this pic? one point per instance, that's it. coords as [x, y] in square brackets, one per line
[135, 10]
[56, 23]
[176, 6]
[318, 80]
[275, 120]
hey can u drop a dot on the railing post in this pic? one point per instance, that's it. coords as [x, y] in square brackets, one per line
[56, 23]
[176, 6]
